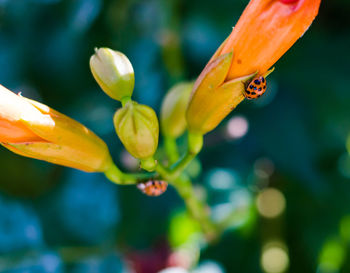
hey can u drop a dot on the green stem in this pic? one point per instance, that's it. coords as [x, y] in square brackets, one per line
[171, 149]
[198, 209]
[125, 100]
[148, 164]
[195, 144]
[181, 165]
[114, 174]
[176, 170]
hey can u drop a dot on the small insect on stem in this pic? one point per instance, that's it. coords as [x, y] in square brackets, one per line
[153, 187]
[255, 88]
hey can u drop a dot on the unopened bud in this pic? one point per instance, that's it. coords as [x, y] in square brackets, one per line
[138, 129]
[32, 129]
[113, 72]
[173, 113]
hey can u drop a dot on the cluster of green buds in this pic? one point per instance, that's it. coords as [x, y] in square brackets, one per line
[136, 125]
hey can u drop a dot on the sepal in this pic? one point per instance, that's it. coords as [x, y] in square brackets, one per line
[209, 106]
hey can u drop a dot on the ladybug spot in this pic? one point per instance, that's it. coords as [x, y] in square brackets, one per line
[260, 89]
[264, 86]
[263, 79]
[248, 92]
[251, 86]
[253, 93]
[257, 82]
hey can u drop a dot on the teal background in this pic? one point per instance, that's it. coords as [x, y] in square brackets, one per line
[55, 219]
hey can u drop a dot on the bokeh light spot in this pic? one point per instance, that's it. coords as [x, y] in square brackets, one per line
[130, 162]
[51, 262]
[209, 267]
[332, 256]
[237, 127]
[182, 229]
[271, 203]
[222, 179]
[236, 212]
[274, 258]
[174, 270]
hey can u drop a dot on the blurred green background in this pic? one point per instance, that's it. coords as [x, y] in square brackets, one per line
[281, 162]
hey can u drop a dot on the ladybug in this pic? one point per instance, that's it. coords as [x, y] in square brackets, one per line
[255, 88]
[153, 187]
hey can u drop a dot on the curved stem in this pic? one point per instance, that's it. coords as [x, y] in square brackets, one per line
[195, 144]
[172, 173]
[181, 165]
[198, 209]
[114, 174]
[171, 149]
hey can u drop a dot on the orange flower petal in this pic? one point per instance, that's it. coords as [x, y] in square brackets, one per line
[32, 129]
[12, 131]
[265, 31]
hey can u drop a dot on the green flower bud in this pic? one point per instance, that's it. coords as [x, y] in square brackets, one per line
[113, 72]
[138, 129]
[173, 112]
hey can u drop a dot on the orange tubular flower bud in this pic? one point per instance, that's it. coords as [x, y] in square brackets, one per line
[31, 129]
[265, 31]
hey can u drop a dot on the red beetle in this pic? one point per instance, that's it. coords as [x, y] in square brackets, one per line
[255, 88]
[153, 187]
